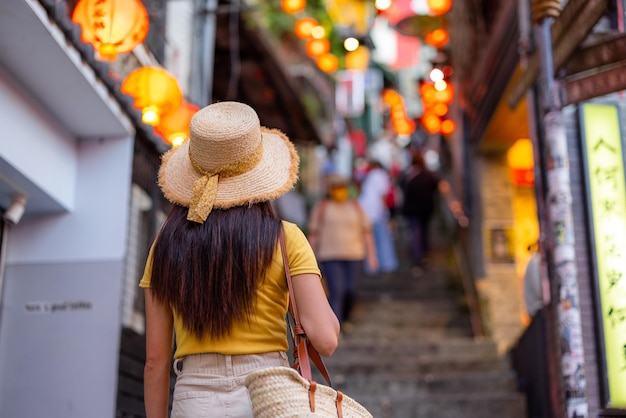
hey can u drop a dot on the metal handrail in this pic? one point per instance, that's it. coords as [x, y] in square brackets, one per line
[454, 208]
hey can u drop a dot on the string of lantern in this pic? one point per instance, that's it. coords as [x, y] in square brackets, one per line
[116, 27]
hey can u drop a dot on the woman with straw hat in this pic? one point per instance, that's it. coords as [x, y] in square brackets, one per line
[214, 276]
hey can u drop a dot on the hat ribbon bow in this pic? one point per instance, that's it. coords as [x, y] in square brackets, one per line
[205, 188]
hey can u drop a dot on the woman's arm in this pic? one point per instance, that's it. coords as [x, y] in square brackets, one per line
[370, 251]
[316, 315]
[314, 226]
[159, 330]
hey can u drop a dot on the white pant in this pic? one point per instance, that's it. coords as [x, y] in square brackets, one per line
[212, 385]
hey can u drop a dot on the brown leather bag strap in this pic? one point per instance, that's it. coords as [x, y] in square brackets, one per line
[304, 352]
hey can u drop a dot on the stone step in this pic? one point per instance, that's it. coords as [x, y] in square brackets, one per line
[356, 345]
[427, 285]
[388, 335]
[412, 365]
[377, 354]
[424, 283]
[365, 385]
[388, 304]
[500, 405]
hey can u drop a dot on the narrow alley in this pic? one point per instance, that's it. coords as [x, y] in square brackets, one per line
[409, 350]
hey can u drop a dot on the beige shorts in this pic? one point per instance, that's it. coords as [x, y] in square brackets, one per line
[212, 385]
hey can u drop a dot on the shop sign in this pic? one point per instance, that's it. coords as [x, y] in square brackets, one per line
[607, 188]
[350, 93]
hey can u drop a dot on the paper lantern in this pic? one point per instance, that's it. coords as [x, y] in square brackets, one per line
[174, 126]
[112, 26]
[391, 97]
[358, 59]
[328, 63]
[431, 122]
[156, 92]
[447, 127]
[437, 38]
[521, 162]
[317, 47]
[446, 94]
[292, 6]
[404, 126]
[439, 7]
[440, 109]
[303, 28]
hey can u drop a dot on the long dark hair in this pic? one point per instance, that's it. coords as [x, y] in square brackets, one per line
[209, 273]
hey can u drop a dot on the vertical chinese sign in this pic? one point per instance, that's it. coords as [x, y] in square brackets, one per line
[607, 188]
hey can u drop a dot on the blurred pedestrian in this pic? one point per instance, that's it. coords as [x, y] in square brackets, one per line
[374, 190]
[533, 284]
[341, 236]
[420, 190]
[214, 277]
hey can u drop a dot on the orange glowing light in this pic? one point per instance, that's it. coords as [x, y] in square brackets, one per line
[317, 47]
[358, 59]
[439, 7]
[155, 91]
[431, 122]
[447, 127]
[391, 97]
[428, 93]
[440, 109]
[328, 63]
[112, 27]
[445, 96]
[303, 27]
[292, 6]
[437, 38]
[174, 126]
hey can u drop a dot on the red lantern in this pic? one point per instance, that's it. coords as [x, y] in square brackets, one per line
[174, 126]
[358, 60]
[317, 47]
[112, 26]
[437, 38]
[447, 127]
[156, 92]
[431, 122]
[521, 163]
[428, 92]
[304, 26]
[328, 63]
[439, 7]
[440, 109]
[391, 97]
[446, 95]
[292, 6]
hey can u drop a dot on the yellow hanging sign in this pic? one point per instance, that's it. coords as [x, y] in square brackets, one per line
[607, 190]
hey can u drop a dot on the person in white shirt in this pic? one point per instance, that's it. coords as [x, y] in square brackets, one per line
[374, 188]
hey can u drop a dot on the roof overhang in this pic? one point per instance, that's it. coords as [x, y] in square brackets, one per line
[264, 81]
[35, 52]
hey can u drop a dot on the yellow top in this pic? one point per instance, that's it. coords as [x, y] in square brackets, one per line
[267, 329]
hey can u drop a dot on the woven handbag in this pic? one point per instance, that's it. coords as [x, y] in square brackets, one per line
[284, 392]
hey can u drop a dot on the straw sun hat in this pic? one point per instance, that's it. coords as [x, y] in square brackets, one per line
[229, 160]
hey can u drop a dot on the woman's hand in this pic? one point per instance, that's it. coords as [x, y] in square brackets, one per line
[372, 261]
[370, 252]
[159, 331]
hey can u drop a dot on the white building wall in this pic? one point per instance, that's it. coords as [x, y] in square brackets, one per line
[97, 226]
[34, 145]
[60, 313]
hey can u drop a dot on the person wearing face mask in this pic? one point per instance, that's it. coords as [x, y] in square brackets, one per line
[341, 236]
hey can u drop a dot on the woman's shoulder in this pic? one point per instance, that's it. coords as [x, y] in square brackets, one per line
[291, 228]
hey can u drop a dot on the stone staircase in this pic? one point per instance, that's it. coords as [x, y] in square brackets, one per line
[408, 352]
